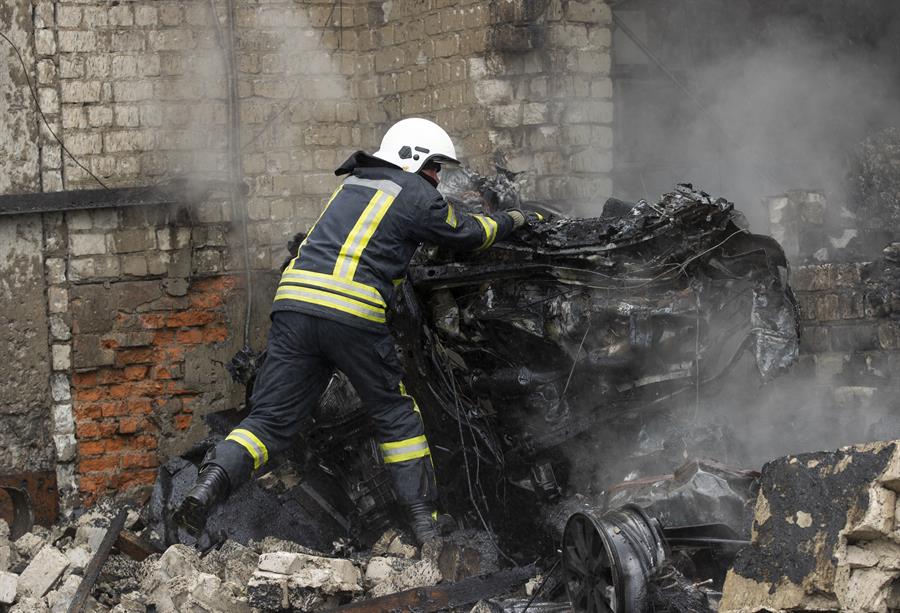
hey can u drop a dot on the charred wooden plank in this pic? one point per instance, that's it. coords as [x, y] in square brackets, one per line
[134, 546]
[93, 568]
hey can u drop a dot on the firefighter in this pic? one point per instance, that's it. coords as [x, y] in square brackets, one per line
[329, 312]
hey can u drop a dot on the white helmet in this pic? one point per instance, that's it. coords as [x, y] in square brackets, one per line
[410, 143]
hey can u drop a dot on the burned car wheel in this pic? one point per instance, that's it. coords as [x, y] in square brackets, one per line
[607, 561]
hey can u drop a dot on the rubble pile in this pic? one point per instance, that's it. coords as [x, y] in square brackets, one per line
[41, 571]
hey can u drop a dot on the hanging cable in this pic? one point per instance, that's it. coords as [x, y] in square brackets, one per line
[40, 111]
[462, 443]
[226, 42]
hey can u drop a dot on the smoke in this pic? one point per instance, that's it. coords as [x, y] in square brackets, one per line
[786, 97]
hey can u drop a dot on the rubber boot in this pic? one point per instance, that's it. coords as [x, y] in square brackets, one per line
[423, 521]
[211, 488]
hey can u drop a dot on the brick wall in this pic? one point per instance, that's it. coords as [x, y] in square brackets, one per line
[844, 277]
[144, 305]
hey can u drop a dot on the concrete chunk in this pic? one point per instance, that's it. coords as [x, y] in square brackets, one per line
[8, 584]
[281, 562]
[268, 591]
[30, 604]
[823, 535]
[60, 599]
[421, 574]
[43, 571]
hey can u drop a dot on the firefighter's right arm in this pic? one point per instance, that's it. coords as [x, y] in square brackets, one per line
[441, 224]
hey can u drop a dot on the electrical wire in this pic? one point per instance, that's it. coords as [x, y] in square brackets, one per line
[40, 111]
[462, 443]
[235, 170]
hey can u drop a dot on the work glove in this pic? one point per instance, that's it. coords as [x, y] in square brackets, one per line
[519, 217]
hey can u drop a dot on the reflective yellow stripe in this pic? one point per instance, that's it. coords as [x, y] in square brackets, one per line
[451, 217]
[402, 451]
[318, 279]
[406, 394]
[404, 443]
[490, 230]
[252, 444]
[313, 227]
[351, 250]
[332, 301]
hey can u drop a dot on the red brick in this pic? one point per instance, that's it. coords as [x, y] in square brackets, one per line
[206, 301]
[129, 425]
[152, 320]
[114, 409]
[135, 373]
[161, 372]
[122, 390]
[174, 354]
[187, 403]
[138, 406]
[85, 379]
[137, 478]
[89, 394]
[145, 441]
[147, 387]
[164, 337]
[182, 422]
[214, 285]
[190, 318]
[107, 429]
[90, 448]
[92, 484]
[110, 375]
[116, 443]
[87, 411]
[189, 337]
[136, 356]
[87, 431]
[109, 343]
[102, 464]
[139, 460]
[215, 335]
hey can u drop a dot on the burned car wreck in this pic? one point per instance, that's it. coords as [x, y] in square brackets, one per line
[560, 376]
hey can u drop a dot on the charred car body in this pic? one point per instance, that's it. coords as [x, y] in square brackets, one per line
[554, 366]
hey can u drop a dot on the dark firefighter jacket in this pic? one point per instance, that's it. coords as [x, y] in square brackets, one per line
[361, 245]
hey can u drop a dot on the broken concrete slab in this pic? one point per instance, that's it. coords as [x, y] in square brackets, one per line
[381, 568]
[60, 598]
[421, 574]
[823, 535]
[268, 591]
[27, 545]
[232, 562]
[280, 562]
[30, 604]
[8, 584]
[208, 591]
[79, 556]
[42, 572]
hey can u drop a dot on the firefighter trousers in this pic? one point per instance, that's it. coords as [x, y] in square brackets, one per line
[303, 351]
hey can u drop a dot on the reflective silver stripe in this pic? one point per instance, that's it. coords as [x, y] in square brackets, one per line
[363, 232]
[490, 230]
[259, 454]
[385, 185]
[407, 452]
[351, 288]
